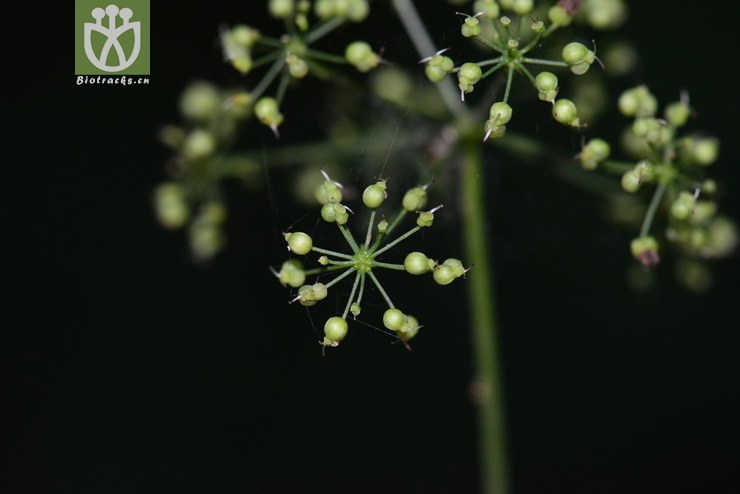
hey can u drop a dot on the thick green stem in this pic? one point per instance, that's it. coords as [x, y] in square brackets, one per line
[414, 27]
[487, 380]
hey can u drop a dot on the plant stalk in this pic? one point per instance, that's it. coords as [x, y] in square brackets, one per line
[487, 380]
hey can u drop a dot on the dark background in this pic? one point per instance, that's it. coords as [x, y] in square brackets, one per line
[126, 367]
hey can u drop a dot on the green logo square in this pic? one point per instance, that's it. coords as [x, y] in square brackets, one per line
[112, 38]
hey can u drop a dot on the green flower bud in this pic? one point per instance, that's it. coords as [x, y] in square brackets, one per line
[435, 73]
[703, 212]
[645, 250]
[335, 330]
[522, 7]
[456, 265]
[500, 113]
[471, 27]
[281, 9]
[677, 114]
[213, 213]
[593, 153]
[292, 274]
[709, 186]
[170, 206]
[375, 194]
[382, 226]
[308, 295]
[704, 151]
[505, 21]
[299, 243]
[578, 57]
[199, 144]
[489, 8]
[620, 58]
[604, 14]
[297, 66]
[417, 263]
[559, 16]
[361, 55]
[638, 102]
[538, 27]
[267, 111]
[324, 9]
[329, 212]
[443, 274]
[324, 261]
[722, 239]
[200, 101]
[205, 240]
[547, 85]
[631, 181]
[409, 329]
[355, 309]
[328, 191]
[244, 36]
[394, 319]
[493, 130]
[565, 112]
[468, 75]
[415, 199]
[357, 10]
[425, 219]
[683, 205]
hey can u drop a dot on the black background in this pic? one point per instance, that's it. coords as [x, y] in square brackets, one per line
[126, 367]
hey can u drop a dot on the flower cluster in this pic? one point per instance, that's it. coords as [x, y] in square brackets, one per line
[292, 55]
[675, 167]
[512, 30]
[364, 258]
[192, 197]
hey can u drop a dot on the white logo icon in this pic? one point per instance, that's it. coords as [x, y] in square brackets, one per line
[111, 32]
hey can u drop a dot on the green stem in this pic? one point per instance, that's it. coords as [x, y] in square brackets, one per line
[397, 267]
[487, 379]
[398, 240]
[282, 87]
[339, 278]
[493, 69]
[550, 29]
[497, 27]
[652, 209]
[332, 253]
[362, 289]
[491, 44]
[414, 27]
[323, 29]
[401, 214]
[266, 59]
[370, 228]
[616, 167]
[352, 295]
[526, 72]
[380, 289]
[335, 266]
[489, 62]
[349, 238]
[268, 78]
[540, 61]
[509, 79]
[326, 57]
